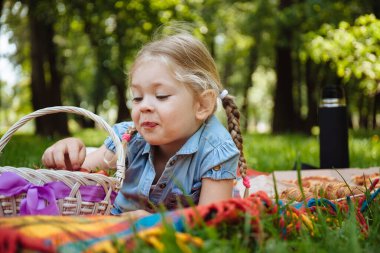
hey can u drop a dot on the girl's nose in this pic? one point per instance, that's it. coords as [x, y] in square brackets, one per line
[146, 105]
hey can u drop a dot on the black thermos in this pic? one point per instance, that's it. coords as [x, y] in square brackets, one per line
[333, 129]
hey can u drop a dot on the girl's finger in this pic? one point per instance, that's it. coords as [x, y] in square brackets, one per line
[59, 159]
[47, 158]
[74, 157]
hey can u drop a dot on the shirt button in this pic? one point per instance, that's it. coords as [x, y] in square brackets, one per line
[216, 168]
[162, 186]
[172, 162]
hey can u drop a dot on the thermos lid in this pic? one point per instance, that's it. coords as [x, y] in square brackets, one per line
[332, 91]
[332, 96]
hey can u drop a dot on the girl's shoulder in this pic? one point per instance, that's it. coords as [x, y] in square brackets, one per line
[215, 143]
[216, 134]
[218, 152]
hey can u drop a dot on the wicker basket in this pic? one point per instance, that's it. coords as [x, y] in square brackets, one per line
[80, 187]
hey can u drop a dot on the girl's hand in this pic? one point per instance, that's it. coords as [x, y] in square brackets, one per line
[67, 154]
[134, 215]
[70, 154]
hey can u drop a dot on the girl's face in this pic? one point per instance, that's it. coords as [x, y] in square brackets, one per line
[163, 109]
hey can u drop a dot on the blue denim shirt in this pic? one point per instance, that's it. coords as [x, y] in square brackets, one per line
[208, 153]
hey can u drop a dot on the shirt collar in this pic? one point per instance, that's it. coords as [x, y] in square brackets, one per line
[147, 148]
[191, 145]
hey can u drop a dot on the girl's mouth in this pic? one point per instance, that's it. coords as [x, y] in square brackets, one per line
[148, 124]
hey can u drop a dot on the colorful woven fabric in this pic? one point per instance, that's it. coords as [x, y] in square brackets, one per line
[107, 233]
[72, 233]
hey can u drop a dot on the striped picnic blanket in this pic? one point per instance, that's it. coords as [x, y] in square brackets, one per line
[73, 233]
[112, 233]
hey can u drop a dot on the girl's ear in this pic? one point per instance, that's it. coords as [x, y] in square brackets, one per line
[206, 104]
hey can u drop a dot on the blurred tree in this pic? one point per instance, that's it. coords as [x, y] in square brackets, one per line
[304, 80]
[1, 8]
[32, 30]
[94, 43]
[354, 52]
[46, 78]
[313, 76]
[116, 30]
[79, 64]
[242, 43]
[284, 117]
[103, 32]
[376, 8]
[254, 26]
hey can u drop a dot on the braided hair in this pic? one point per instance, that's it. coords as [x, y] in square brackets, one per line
[233, 126]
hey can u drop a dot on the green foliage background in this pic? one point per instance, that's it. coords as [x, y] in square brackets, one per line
[96, 43]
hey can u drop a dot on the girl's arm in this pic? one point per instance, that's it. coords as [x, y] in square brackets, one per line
[215, 190]
[101, 158]
[70, 154]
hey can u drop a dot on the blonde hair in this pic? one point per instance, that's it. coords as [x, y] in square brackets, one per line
[192, 64]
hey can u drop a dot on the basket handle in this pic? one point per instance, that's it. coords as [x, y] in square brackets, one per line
[120, 164]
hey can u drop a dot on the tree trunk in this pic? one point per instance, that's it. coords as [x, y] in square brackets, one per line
[227, 71]
[376, 8]
[376, 108]
[363, 111]
[1, 9]
[83, 122]
[247, 84]
[123, 112]
[312, 100]
[283, 113]
[108, 75]
[45, 78]
[119, 79]
[300, 119]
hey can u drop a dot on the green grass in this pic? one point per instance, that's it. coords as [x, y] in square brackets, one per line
[25, 150]
[263, 152]
[266, 152]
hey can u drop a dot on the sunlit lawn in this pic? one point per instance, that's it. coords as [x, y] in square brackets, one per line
[263, 152]
[280, 152]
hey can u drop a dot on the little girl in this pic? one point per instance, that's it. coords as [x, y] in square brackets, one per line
[180, 151]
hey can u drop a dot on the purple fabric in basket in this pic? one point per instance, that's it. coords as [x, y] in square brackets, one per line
[42, 199]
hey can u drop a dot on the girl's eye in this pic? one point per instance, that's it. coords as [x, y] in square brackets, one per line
[162, 97]
[137, 99]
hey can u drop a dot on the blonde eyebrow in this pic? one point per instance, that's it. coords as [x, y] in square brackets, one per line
[155, 85]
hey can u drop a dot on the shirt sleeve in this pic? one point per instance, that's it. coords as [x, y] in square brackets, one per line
[119, 129]
[221, 163]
